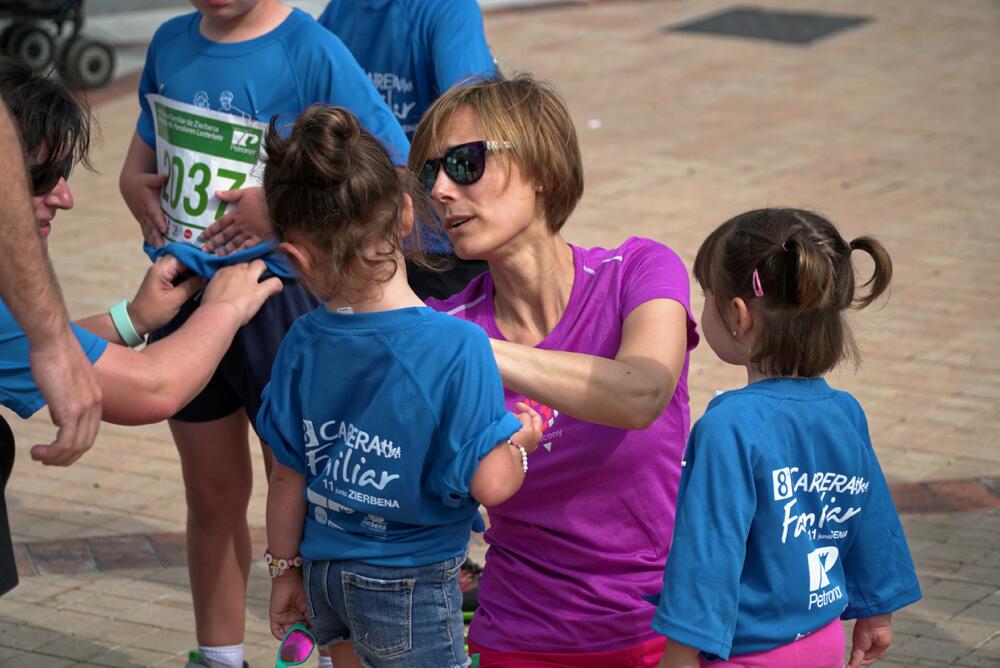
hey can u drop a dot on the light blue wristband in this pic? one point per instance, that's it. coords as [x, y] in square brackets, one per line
[123, 323]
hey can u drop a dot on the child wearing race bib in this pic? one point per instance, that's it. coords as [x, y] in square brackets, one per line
[212, 81]
[386, 418]
[784, 524]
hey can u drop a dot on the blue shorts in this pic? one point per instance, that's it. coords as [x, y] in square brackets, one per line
[246, 367]
[396, 617]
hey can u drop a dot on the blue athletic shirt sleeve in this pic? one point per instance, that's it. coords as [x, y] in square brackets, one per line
[458, 43]
[147, 82]
[473, 418]
[701, 584]
[18, 390]
[880, 576]
[279, 420]
[330, 74]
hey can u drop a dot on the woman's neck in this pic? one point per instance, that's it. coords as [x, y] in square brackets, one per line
[533, 283]
[257, 21]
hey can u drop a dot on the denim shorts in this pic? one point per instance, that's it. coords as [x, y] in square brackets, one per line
[395, 617]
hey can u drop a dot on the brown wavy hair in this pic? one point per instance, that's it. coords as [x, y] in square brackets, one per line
[807, 275]
[333, 183]
[530, 116]
[54, 124]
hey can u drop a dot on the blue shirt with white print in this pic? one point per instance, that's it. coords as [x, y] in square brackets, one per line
[281, 73]
[784, 522]
[387, 415]
[413, 50]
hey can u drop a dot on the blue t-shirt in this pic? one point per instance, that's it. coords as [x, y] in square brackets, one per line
[18, 390]
[387, 415]
[278, 74]
[413, 50]
[784, 522]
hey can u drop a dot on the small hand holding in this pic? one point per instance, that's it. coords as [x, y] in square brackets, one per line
[531, 427]
[288, 603]
[244, 225]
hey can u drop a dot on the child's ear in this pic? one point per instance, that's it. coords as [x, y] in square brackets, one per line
[300, 256]
[741, 316]
[406, 224]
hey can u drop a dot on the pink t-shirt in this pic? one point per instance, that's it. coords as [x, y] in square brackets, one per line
[574, 551]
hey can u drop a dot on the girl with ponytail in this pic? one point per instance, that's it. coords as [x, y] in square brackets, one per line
[386, 418]
[784, 523]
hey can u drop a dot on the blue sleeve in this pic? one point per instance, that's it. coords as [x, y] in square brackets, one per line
[458, 44]
[716, 504]
[18, 390]
[878, 569]
[473, 419]
[333, 76]
[147, 84]
[279, 420]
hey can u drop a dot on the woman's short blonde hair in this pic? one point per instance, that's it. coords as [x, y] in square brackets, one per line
[531, 123]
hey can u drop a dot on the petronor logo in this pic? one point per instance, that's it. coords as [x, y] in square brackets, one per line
[821, 561]
[244, 139]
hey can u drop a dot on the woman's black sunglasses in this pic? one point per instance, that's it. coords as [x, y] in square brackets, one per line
[464, 164]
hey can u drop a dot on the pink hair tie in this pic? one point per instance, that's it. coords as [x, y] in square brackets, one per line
[758, 289]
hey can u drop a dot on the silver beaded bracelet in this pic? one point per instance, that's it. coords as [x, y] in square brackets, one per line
[524, 454]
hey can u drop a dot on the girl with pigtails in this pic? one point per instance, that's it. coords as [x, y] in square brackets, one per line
[784, 521]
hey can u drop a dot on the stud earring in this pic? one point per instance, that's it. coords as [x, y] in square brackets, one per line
[734, 333]
[539, 189]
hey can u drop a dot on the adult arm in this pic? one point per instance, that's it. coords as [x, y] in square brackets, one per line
[628, 392]
[29, 289]
[151, 385]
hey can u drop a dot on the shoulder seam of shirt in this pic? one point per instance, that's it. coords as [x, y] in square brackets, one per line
[413, 376]
[302, 104]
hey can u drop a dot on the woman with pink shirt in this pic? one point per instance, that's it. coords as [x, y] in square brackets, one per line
[597, 340]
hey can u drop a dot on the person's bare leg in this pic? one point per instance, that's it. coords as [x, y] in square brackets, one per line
[343, 655]
[218, 478]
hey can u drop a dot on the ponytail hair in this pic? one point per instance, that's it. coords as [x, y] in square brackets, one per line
[331, 182]
[794, 269]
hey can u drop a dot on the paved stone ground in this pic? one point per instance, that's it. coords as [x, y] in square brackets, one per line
[889, 128]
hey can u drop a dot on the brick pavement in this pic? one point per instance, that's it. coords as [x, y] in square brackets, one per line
[889, 128]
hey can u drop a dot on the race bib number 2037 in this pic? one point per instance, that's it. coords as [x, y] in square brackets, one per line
[201, 151]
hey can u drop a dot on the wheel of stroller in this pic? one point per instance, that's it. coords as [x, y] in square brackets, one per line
[33, 45]
[87, 63]
[6, 33]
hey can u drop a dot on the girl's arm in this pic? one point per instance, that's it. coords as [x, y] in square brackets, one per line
[286, 515]
[500, 473]
[151, 385]
[628, 392]
[140, 187]
[679, 656]
[871, 638]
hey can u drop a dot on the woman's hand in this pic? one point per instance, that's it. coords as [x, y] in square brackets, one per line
[244, 225]
[532, 427]
[158, 299]
[239, 286]
[288, 602]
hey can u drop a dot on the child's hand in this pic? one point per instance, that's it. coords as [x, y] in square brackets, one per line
[244, 225]
[531, 427]
[142, 195]
[288, 602]
[872, 636]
